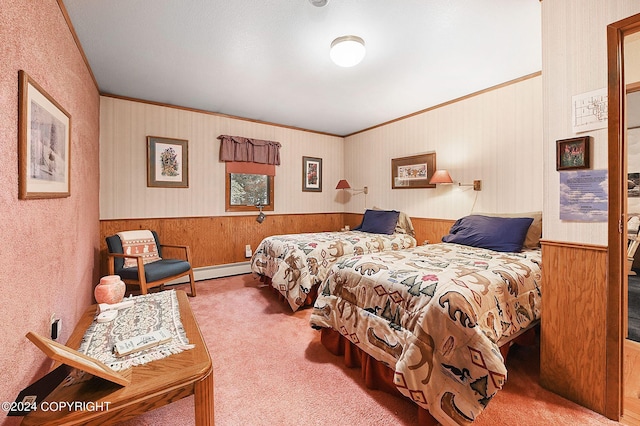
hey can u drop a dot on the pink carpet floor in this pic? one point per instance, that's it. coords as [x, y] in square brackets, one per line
[270, 369]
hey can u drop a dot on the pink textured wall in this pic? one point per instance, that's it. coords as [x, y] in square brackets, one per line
[48, 248]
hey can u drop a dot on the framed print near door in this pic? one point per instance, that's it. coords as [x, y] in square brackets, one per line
[167, 162]
[573, 153]
[311, 174]
[44, 143]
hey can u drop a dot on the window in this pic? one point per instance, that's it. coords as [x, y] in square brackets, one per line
[244, 191]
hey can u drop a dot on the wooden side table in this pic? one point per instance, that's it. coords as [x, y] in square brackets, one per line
[100, 402]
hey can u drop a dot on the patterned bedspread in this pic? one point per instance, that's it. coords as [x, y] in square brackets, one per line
[434, 314]
[297, 262]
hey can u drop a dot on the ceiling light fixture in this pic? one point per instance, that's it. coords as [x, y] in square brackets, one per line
[347, 51]
[319, 3]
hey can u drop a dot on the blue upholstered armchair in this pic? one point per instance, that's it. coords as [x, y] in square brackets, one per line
[145, 273]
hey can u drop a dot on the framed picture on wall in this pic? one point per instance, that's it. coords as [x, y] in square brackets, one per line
[413, 172]
[573, 153]
[44, 143]
[311, 174]
[633, 184]
[167, 162]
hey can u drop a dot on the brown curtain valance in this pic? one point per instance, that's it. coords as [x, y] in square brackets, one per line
[237, 148]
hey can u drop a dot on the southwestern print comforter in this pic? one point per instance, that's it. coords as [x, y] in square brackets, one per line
[297, 262]
[434, 314]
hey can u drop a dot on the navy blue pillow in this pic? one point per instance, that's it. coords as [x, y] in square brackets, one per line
[379, 221]
[494, 233]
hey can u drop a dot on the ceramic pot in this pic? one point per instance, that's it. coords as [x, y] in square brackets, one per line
[110, 290]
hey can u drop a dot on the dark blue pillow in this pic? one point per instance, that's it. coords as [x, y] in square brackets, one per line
[494, 233]
[379, 221]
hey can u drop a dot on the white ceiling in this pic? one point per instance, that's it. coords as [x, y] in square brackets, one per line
[268, 60]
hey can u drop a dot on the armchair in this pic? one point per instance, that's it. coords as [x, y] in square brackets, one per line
[142, 271]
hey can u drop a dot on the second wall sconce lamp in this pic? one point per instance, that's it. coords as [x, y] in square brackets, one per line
[343, 184]
[443, 176]
[261, 216]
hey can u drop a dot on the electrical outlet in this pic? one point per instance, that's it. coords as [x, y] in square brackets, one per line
[56, 326]
[247, 251]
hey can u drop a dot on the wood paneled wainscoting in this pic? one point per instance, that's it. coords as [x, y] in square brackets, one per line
[573, 359]
[221, 240]
[427, 229]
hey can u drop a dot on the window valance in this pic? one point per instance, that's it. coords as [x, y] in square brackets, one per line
[237, 148]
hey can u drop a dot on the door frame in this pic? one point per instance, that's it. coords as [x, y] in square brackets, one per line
[617, 223]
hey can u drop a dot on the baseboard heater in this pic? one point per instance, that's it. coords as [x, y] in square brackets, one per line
[216, 271]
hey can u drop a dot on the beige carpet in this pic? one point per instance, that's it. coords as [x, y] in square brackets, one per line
[270, 369]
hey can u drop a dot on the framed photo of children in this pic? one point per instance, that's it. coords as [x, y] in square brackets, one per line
[311, 174]
[573, 153]
[44, 143]
[167, 162]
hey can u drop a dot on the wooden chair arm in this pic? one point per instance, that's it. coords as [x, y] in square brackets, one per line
[187, 250]
[111, 258]
[123, 256]
[174, 246]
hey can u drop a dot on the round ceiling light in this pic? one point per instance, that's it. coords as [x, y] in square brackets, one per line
[319, 3]
[347, 51]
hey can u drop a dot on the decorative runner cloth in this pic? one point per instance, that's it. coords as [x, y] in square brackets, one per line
[149, 313]
[141, 243]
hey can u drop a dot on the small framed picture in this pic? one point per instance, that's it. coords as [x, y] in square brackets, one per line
[573, 153]
[44, 143]
[167, 162]
[312, 174]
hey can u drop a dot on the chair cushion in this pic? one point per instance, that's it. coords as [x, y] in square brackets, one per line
[157, 270]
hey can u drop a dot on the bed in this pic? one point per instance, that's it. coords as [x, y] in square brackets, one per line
[436, 315]
[295, 264]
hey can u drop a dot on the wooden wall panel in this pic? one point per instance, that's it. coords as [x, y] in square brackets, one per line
[220, 240]
[573, 324]
[431, 230]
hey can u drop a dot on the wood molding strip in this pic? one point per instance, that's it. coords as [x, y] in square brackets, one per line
[596, 247]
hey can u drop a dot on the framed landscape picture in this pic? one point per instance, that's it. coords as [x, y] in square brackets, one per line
[311, 174]
[44, 143]
[167, 162]
[413, 172]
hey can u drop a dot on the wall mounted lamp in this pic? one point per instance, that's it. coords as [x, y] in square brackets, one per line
[347, 51]
[443, 176]
[343, 184]
[261, 216]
